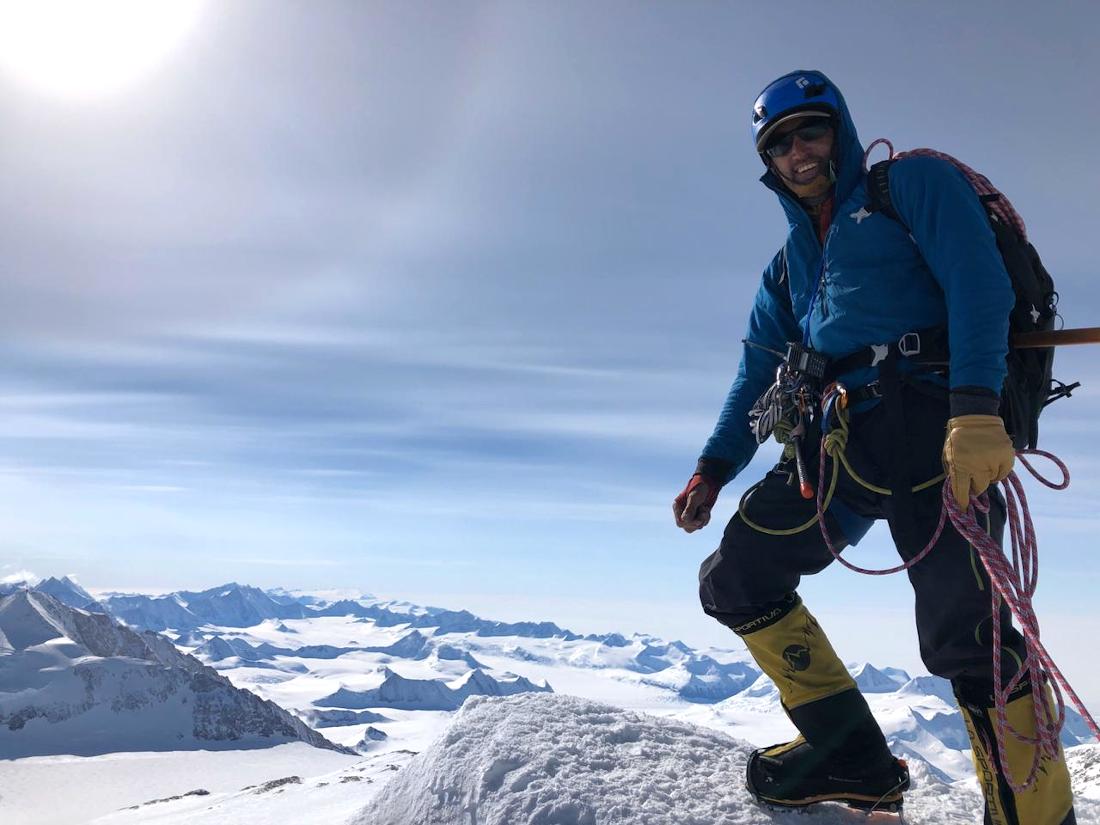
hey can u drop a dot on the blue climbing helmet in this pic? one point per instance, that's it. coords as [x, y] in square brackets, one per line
[794, 95]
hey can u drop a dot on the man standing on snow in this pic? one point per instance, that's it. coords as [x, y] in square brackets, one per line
[874, 295]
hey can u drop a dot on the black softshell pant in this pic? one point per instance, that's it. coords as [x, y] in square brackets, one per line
[752, 573]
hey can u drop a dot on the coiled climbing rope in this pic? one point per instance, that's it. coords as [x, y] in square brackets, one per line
[1013, 582]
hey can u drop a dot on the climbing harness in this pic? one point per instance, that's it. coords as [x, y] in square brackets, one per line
[785, 416]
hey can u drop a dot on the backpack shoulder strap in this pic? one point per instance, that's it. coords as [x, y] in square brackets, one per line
[878, 190]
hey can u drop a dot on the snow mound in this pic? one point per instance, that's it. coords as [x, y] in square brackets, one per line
[538, 759]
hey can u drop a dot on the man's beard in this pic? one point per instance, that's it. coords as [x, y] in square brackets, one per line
[813, 188]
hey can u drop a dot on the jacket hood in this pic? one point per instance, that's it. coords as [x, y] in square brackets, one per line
[849, 154]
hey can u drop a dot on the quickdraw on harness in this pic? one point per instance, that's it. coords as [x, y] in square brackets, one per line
[786, 408]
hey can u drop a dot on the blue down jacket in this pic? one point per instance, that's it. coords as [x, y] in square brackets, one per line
[878, 282]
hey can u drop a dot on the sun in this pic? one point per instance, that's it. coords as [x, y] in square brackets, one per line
[90, 48]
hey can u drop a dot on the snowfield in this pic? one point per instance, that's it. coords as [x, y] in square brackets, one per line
[556, 729]
[72, 790]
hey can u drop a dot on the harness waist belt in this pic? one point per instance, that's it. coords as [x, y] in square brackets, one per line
[925, 346]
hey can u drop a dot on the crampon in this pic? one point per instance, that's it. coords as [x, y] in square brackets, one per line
[793, 776]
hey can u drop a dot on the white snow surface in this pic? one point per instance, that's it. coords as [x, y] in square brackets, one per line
[543, 759]
[67, 790]
[1084, 767]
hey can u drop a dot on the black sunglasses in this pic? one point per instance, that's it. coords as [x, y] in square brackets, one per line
[807, 134]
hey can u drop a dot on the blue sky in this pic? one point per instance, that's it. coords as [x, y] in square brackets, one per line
[440, 300]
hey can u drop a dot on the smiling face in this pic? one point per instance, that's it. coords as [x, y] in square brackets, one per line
[804, 167]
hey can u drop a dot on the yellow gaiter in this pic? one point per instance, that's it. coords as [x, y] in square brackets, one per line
[1049, 800]
[792, 649]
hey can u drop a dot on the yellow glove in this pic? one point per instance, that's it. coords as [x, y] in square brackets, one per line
[976, 453]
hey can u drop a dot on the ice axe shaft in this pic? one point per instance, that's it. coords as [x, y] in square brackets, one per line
[1055, 338]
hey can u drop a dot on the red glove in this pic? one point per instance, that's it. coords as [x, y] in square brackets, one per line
[692, 507]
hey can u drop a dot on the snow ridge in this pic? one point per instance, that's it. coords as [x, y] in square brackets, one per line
[396, 691]
[229, 605]
[236, 605]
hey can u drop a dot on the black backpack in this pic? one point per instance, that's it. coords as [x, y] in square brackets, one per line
[1029, 386]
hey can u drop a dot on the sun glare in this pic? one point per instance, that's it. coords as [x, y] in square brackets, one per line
[90, 48]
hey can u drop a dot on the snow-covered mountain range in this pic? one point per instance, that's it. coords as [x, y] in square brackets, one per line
[235, 605]
[384, 679]
[77, 682]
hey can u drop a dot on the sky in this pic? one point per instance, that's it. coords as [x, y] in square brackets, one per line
[440, 301]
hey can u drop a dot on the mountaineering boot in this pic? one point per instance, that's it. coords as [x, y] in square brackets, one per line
[1049, 801]
[841, 754]
[794, 775]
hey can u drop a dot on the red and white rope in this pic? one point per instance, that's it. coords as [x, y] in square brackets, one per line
[999, 204]
[1014, 583]
[836, 553]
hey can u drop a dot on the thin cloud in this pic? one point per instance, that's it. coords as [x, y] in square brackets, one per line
[20, 576]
